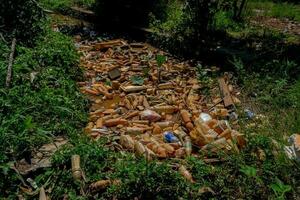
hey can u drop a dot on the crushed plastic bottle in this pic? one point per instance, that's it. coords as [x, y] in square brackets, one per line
[170, 137]
[150, 115]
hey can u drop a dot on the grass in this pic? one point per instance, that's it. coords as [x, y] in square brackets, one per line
[43, 101]
[35, 110]
[62, 5]
[279, 10]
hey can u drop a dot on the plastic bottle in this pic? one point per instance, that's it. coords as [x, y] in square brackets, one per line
[127, 142]
[170, 137]
[139, 148]
[76, 170]
[180, 133]
[134, 130]
[165, 124]
[204, 117]
[185, 115]
[185, 173]
[221, 126]
[166, 109]
[150, 115]
[188, 145]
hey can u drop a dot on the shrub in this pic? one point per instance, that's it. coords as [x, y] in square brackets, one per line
[21, 18]
[187, 26]
[43, 101]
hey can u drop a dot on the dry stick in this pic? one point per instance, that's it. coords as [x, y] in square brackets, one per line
[10, 62]
[1, 36]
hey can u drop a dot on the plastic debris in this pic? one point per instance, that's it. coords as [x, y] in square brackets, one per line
[76, 170]
[293, 151]
[170, 137]
[103, 184]
[127, 142]
[114, 73]
[205, 117]
[32, 183]
[43, 195]
[150, 115]
[249, 114]
[185, 173]
[155, 119]
[188, 145]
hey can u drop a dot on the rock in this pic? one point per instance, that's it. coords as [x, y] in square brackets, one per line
[114, 74]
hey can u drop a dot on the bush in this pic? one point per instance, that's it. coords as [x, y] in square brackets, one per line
[21, 19]
[43, 101]
[187, 26]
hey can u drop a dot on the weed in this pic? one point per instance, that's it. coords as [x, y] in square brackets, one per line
[146, 72]
[147, 181]
[19, 15]
[160, 60]
[280, 189]
[64, 5]
[273, 9]
[239, 68]
[137, 80]
[43, 101]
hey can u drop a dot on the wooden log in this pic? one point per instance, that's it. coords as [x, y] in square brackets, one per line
[225, 92]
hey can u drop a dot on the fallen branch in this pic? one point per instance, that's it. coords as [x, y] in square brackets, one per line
[225, 93]
[10, 63]
[1, 36]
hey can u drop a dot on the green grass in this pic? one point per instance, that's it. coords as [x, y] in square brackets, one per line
[280, 10]
[34, 110]
[61, 5]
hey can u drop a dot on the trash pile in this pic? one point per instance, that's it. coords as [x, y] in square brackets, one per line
[154, 103]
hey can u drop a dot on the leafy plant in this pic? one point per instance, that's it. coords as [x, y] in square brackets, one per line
[33, 111]
[108, 82]
[19, 15]
[146, 71]
[136, 80]
[239, 68]
[279, 188]
[160, 60]
[249, 171]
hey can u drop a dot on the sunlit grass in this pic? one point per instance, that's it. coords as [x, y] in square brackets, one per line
[280, 10]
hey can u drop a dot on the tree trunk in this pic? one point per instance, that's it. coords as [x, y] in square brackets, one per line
[235, 9]
[242, 5]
